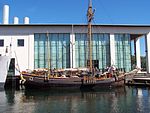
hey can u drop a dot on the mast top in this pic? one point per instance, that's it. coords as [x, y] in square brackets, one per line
[90, 3]
[90, 12]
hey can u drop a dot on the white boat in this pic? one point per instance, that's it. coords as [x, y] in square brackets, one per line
[4, 66]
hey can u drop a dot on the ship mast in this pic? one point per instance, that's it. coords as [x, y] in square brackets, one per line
[90, 15]
[48, 57]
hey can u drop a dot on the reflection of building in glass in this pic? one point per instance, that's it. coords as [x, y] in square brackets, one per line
[123, 51]
[59, 49]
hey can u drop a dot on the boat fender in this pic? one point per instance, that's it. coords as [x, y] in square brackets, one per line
[22, 80]
[31, 78]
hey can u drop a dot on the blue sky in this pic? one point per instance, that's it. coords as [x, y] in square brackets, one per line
[74, 11]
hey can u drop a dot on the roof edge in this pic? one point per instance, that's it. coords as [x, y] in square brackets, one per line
[103, 25]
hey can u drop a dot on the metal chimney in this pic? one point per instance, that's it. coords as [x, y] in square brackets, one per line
[6, 14]
[26, 20]
[16, 20]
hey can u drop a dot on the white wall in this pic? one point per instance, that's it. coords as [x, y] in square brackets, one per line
[24, 55]
[30, 29]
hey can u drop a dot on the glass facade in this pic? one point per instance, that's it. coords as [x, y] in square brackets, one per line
[101, 49]
[123, 51]
[52, 50]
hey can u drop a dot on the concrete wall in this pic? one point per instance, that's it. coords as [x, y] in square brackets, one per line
[30, 29]
[24, 55]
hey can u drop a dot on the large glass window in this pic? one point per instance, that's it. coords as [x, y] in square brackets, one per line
[81, 50]
[52, 50]
[123, 51]
[100, 51]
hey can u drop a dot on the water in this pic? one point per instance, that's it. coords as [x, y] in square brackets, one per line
[119, 100]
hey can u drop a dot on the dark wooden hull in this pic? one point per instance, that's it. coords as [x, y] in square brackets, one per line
[70, 83]
[36, 85]
[53, 83]
[109, 83]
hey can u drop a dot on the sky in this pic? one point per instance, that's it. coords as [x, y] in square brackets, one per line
[74, 11]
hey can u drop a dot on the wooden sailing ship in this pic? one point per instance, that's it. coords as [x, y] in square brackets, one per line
[74, 78]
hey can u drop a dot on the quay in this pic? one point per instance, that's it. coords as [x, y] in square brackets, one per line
[139, 79]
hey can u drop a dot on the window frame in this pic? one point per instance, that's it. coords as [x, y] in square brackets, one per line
[2, 43]
[20, 44]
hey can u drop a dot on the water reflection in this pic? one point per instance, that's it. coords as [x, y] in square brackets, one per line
[10, 96]
[76, 101]
[119, 100]
[139, 100]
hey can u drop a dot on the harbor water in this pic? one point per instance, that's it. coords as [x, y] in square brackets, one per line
[117, 100]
